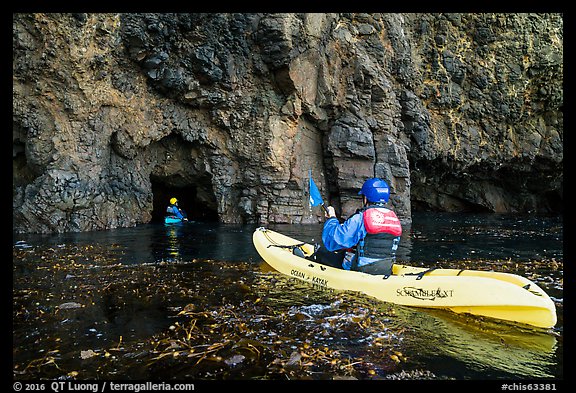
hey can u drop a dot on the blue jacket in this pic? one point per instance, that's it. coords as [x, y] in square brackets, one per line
[173, 210]
[336, 236]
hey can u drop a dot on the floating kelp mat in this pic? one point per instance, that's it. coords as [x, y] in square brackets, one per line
[79, 314]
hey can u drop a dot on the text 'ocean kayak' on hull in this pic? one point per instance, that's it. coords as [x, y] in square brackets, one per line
[490, 294]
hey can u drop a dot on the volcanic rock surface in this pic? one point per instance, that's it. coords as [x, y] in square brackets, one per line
[113, 114]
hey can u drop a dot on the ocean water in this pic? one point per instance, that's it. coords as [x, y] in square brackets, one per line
[450, 347]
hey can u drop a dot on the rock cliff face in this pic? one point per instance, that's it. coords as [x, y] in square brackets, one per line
[113, 114]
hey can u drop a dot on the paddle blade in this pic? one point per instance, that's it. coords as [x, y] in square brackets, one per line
[315, 197]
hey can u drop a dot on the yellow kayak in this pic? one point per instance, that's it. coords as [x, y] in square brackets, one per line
[490, 294]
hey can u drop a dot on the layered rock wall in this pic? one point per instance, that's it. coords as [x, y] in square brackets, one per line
[491, 136]
[111, 111]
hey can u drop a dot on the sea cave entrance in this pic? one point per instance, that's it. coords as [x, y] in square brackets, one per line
[180, 172]
[196, 199]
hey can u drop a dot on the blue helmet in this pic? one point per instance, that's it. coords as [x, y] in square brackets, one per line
[375, 190]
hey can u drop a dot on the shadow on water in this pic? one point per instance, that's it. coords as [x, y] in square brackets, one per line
[112, 304]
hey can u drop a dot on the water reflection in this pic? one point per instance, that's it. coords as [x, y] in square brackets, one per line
[477, 348]
[173, 241]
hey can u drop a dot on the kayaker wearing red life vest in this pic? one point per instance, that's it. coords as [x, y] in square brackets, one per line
[371, 235]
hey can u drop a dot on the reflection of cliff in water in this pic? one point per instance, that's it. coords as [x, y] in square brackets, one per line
[446, 339]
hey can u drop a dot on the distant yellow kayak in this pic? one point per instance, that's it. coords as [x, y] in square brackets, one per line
[490, 294]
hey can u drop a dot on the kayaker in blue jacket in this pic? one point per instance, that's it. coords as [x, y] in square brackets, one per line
[174, 211]
[370, 236]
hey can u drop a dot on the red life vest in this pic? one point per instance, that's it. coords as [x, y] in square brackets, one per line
[381, 220]
[383, 231]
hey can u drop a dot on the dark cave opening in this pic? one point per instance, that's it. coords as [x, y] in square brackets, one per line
[189, 200]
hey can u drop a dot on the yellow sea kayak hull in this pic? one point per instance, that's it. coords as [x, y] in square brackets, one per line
[490, 294]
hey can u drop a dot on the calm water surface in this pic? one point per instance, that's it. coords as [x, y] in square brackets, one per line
[431, 237]
[448, 346]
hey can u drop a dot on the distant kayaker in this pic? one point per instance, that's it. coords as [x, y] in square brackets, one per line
[369, 237]
[174, 211]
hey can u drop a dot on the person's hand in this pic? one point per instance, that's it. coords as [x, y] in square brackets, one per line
[331, 212]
